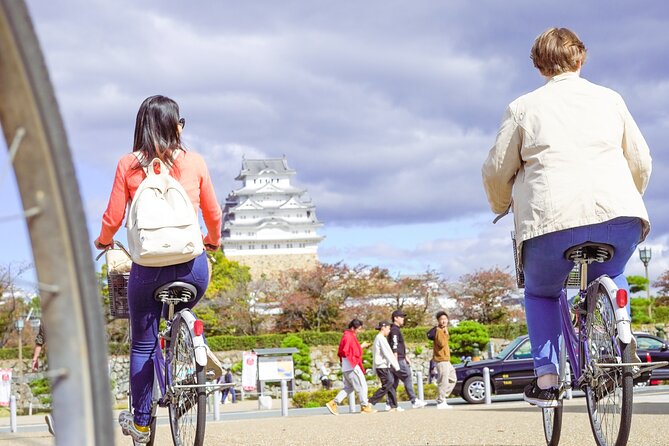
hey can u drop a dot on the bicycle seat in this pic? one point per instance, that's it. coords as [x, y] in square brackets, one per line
[175, 292]
[590, 252]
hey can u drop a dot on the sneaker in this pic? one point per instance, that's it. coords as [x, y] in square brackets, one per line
[399, 409]
[214, 367]
[418, 404]
[444, 405]
[367, 409]
[332, 407]
[387, 407]
[128, 426]
[541, 397]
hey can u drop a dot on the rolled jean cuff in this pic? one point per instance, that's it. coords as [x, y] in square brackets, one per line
[548, 369]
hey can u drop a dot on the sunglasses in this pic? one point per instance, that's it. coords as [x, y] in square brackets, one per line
[182, 122]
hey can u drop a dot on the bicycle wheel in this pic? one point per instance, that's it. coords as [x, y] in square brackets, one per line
[608, 390]
[552, 417]
[71, 310]
[188, 405]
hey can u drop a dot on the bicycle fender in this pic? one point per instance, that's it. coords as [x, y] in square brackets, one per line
[623, 321]
[198, 341]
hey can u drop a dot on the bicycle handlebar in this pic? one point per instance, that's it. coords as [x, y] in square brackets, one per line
[111, 246]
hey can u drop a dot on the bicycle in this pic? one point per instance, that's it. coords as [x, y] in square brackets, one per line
[596, 350]
[180, 358]
[41, 159]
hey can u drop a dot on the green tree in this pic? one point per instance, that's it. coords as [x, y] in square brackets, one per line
[465, 335]
[226, 276]
[301, 359]
[637, 284]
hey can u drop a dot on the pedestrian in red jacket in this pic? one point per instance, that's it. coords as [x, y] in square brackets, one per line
[350, 355]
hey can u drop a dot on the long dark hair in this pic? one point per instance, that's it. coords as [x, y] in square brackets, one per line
[156, 134]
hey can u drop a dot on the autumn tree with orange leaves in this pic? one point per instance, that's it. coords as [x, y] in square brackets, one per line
[481, 295]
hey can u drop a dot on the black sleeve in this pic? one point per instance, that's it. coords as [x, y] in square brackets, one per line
[432, 333]
[39, 339]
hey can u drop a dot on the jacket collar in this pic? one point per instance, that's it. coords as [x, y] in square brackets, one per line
[564, 76]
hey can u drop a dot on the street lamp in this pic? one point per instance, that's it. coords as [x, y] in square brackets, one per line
[645, 255]
[19, 327]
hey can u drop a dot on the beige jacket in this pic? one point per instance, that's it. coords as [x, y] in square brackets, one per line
[570, 154]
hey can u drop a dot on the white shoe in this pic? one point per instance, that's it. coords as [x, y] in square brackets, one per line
[418, 404]
[386, 408]
[444, 405]
[399, 409]
[128, 427]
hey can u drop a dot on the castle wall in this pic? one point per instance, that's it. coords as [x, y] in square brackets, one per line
[273, 265]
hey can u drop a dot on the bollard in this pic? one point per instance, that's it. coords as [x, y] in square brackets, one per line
[486, 384]
[351, 402]
[12, 413]
[30, 408]
[419, 384]
[217, 405]
[284, 398]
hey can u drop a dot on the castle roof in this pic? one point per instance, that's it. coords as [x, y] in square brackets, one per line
[258, 167]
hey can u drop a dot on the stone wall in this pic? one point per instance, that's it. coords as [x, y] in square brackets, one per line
[273, 265]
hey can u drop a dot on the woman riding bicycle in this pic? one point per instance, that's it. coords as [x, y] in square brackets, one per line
[572, 164]
[157, 135]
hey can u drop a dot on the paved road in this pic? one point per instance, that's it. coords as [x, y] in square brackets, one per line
[505, 423]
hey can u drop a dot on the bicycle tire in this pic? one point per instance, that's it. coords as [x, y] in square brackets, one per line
[187, 407]
[552, 418]
[71, 313]
[608, 391]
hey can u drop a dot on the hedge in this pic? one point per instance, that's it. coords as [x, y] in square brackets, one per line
[413, 335]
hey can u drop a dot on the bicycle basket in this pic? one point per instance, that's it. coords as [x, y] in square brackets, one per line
[118, 271]
[118, 295]
[573, 279]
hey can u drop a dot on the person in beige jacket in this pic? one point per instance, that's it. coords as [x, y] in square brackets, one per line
[572, 165]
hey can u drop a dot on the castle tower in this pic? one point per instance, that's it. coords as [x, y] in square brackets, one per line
[268, 224]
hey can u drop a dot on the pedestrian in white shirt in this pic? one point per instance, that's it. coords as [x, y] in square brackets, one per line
[384, 362]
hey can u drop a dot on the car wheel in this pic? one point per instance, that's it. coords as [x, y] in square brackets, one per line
[473, 391]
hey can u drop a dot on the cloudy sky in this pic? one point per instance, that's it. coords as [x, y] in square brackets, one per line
[386, 109]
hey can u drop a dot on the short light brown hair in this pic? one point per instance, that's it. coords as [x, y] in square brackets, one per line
[556, 51]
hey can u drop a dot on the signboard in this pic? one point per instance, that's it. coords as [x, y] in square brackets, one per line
[5, 386]
[275, 368]
[249, 371]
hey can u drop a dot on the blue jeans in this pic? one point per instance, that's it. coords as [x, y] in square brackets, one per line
[546, 270]
[145, 314]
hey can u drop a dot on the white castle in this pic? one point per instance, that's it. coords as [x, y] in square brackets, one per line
[268, 224]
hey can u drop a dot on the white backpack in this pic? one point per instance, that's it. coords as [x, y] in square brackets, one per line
[162, 225]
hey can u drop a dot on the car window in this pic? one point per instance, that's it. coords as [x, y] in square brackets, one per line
[648, 343]
[524, 351]
[506, 350]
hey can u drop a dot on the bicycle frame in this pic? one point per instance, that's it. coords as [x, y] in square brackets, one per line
[575, 343]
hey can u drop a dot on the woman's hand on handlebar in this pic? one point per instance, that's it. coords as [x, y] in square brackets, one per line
[102, 247]
[209, 247]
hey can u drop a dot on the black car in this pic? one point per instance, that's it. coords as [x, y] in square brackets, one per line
[652, 348]
[510, 371]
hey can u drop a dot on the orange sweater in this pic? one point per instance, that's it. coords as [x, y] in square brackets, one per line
[189, 169]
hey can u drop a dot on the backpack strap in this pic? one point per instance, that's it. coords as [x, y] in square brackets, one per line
[163, 167]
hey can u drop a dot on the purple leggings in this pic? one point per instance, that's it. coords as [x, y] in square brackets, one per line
[546, 270]
[145, 314]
